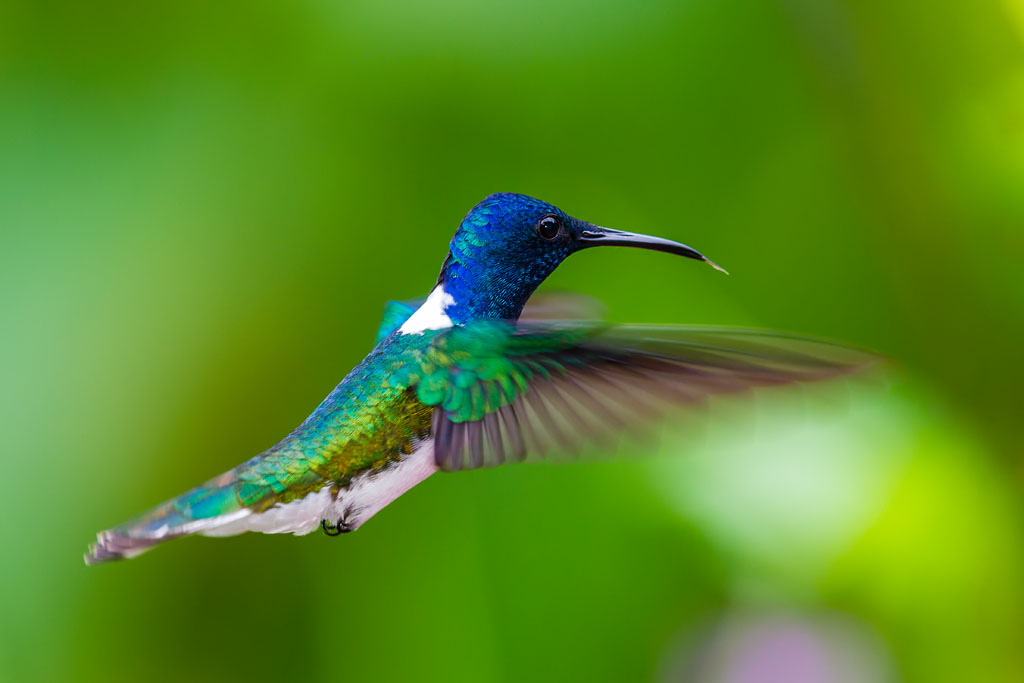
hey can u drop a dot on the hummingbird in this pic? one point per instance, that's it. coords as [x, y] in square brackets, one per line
[465, 379]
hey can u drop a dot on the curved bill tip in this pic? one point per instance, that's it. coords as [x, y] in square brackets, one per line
[715, 265]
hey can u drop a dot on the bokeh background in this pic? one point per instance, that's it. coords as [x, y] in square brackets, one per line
[204, 207]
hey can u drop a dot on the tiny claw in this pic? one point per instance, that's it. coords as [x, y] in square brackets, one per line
[330, 529]
[335, 529]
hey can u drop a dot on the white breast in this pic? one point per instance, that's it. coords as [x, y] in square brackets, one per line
[431, 315]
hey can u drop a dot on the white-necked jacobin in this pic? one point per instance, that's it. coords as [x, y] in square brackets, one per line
[464, 379]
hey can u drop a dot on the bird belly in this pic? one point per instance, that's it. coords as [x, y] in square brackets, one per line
[370, 492]
[298, 517]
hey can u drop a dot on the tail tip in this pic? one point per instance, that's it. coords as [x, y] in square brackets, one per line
[112, 545]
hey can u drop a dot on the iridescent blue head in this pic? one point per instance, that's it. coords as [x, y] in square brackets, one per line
[509, 243]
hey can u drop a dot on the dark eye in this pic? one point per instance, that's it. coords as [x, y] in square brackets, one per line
[549, 226]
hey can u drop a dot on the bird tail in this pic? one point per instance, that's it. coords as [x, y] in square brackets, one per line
[209, 508]
[230, 504]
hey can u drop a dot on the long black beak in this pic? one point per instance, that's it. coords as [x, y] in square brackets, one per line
[596, 236]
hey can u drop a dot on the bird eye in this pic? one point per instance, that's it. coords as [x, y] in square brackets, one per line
[549, 227]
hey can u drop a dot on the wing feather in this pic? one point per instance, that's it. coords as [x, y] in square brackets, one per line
[509, 391]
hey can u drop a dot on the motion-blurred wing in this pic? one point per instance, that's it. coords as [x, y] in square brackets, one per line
[504, 393]
[561, 307]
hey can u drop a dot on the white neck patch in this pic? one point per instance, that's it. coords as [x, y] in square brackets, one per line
[431, 315]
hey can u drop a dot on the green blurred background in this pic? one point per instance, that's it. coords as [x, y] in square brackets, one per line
[204, 206]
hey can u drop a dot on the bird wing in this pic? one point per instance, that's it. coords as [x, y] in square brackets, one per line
[503, 392]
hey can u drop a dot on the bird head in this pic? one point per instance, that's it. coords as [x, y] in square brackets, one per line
[509, 243]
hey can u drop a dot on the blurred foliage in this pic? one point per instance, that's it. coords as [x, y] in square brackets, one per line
[204, 206]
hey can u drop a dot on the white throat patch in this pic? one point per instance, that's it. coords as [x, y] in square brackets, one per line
[431, 315]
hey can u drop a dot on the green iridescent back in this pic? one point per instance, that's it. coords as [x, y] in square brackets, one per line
[369, 420]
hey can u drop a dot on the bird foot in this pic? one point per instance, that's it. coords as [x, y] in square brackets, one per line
[341, 527]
